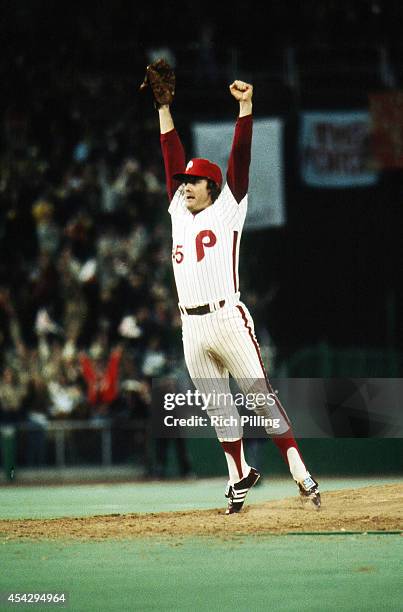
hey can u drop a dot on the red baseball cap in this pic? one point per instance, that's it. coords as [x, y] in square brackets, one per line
[202, 168]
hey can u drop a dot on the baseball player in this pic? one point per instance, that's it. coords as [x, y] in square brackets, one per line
[207, 216]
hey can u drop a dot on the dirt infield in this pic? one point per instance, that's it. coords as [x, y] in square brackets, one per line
[373, 508]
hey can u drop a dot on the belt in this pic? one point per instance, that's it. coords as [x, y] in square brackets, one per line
[202, 310]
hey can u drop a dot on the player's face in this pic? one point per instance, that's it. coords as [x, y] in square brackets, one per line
[197, 195]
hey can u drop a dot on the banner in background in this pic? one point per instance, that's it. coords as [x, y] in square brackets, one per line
[387, 128]
[335, 149]
[266, 183]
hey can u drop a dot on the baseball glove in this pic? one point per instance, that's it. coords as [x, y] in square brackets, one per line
[161, 78]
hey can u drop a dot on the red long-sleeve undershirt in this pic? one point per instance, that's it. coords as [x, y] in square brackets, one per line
[238, 163]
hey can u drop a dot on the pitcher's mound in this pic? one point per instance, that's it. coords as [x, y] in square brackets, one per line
[373, 508]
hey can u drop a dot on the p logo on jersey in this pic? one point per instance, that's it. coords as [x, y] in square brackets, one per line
[205, 238]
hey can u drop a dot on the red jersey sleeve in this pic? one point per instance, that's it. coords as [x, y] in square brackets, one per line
[174, 159]
[239, 160]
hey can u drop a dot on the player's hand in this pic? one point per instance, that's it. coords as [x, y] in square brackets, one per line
[241, 91]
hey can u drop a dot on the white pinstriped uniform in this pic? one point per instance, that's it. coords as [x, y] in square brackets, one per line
[205, 257]
[207, 248]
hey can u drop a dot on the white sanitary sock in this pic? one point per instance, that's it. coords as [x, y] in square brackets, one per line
[297, 467]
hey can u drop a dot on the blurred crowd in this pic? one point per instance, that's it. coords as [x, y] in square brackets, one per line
[88, 308]
[85, 274]
[86, 266]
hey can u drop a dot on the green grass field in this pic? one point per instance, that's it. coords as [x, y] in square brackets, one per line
[292, 572]
[166, 496]
[270, 573]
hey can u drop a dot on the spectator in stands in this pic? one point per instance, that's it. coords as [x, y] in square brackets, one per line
[48, 232]
[66, 397]
[101, 374]
[37, 411]
[12, 394]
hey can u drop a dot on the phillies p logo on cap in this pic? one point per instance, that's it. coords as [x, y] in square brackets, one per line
[201, 168]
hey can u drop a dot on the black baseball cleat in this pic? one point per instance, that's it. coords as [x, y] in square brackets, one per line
[309, 491]
[237, 492]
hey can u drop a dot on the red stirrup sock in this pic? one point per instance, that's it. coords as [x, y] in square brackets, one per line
[237, 466]
[288, 447]
[284, 442]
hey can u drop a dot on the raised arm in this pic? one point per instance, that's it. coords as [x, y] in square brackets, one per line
[239, 160]
[172, 149]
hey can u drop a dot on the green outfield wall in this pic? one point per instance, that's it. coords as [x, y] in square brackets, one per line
[369, 456]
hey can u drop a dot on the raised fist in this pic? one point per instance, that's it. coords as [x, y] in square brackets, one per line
[241, 91]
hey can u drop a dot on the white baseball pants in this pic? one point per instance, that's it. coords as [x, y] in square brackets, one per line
[219, 344]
